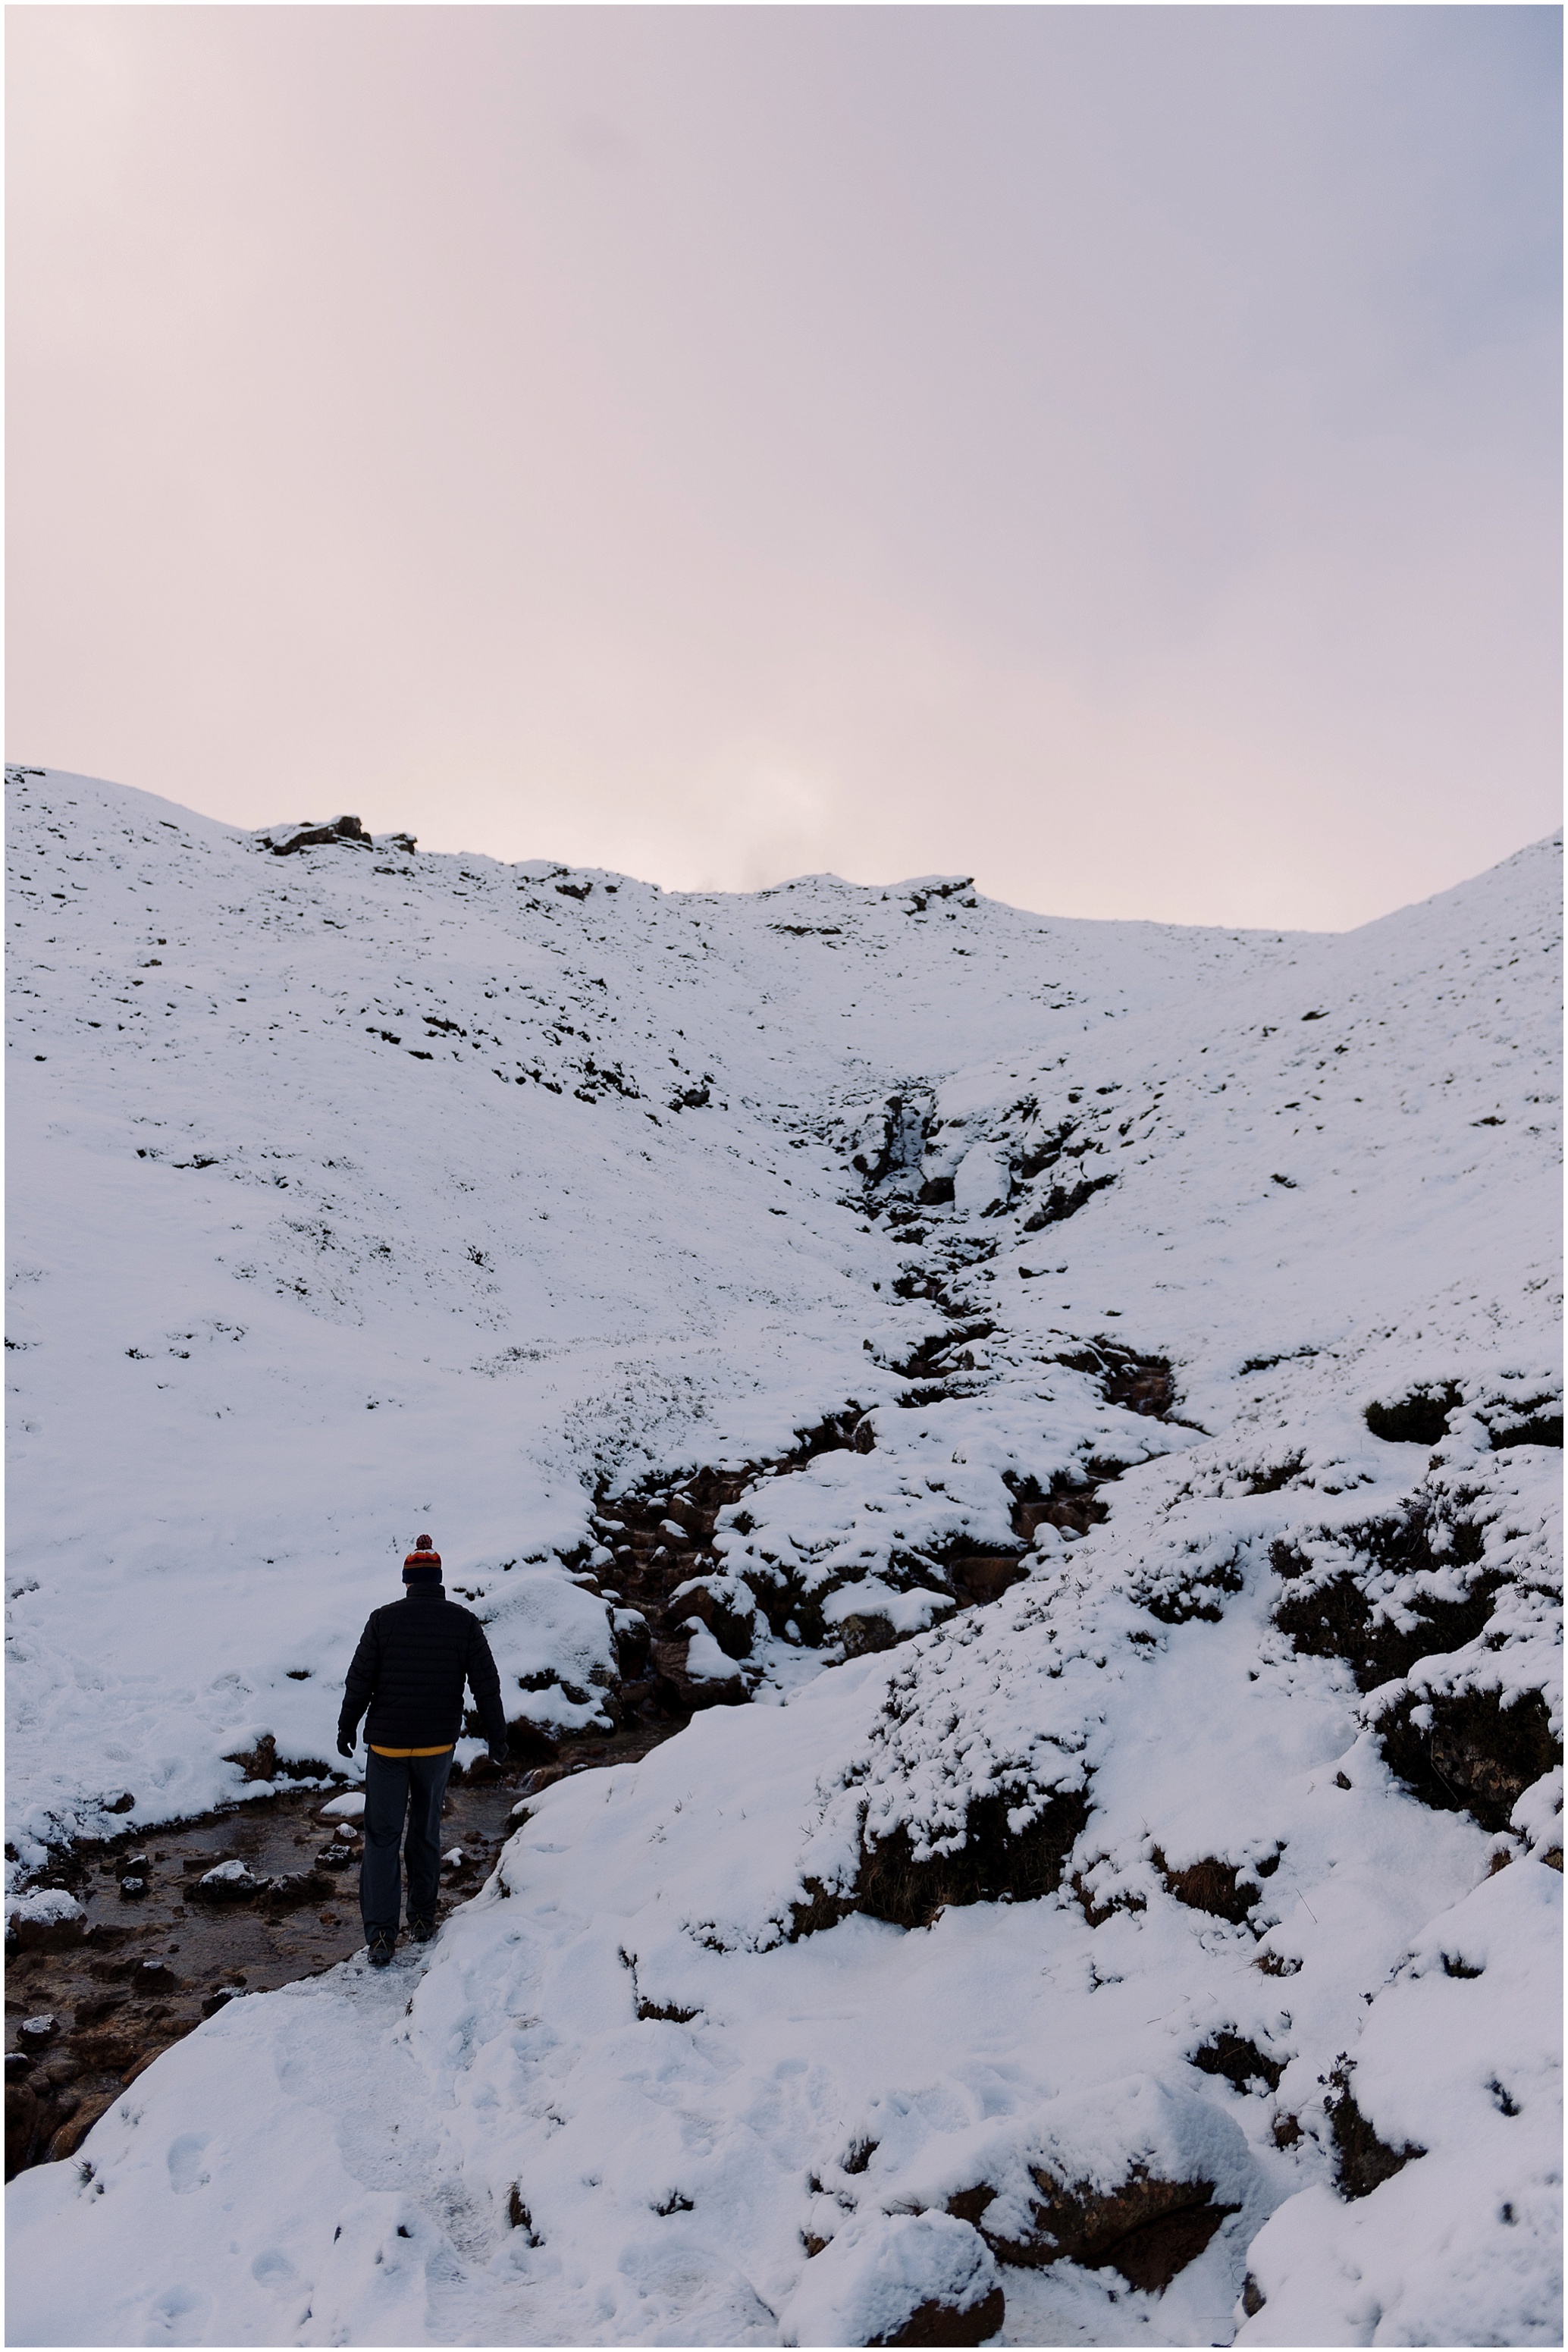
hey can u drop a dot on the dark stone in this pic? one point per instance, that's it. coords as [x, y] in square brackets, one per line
[1209, 1885]
[48, 1934]
[1239, 2061]
[228, 1890]
[689, 1693]
[730, 1630]
[863, 1635]
[1337, 1619]
[935, 1192]
[132, 1890]
[1477, 1757]
[123, 1803]
[1065, 1201]
[943, 2322]
[23, 2112]
[108, 2050]
[994, 1861]
[982, 1577]
[284, 840]
[1364, 2162]
[1252, 2296]
[1145, 2228]
[518, 2214]
[69, 2138]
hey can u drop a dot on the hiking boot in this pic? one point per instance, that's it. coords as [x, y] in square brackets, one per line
[422, 1929]
[379, 1949]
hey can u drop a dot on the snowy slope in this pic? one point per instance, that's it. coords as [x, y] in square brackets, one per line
[355, 1189]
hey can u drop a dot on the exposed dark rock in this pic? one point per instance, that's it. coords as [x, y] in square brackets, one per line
[1143, 1384]
[1362, 2161]
[714, 1608]
[1145, 2228]
[945, 2323]
[1046, 1150]
[935, 1192]
[263, 1762]
[863, 1634]
[1217, 1887]
[1252, 2296]
[982, 1577]
[23, 2112]
[283, 840]
[1065, 1201]
[68, 2136]
[1240, 2063]
[993, 1861]
[1478, 1756]
[821, 1908]
[518, 2214]
[1096, 1914]
[689, 1693]
[47, 1935]
[1071, 1504]
[225, 1883]
[1335, 1616]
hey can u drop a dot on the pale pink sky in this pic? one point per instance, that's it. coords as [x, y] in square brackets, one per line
[1112, 451]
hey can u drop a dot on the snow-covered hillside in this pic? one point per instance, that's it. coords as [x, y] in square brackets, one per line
[1127, 1957]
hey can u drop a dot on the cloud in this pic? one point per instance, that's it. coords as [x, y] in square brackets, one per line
[1115, 450]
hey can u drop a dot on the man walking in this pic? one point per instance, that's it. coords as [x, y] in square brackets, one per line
[409, 1669]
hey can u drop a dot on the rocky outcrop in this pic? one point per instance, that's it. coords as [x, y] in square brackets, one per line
[283, 840]
[1145, 2227]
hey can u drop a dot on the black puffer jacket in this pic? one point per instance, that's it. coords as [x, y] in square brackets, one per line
[409, 1669]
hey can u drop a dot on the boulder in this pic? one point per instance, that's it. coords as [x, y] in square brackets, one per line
[229, 1882]
[901, 2278]
[283, 840]
[694, 1673]
[47, 1920]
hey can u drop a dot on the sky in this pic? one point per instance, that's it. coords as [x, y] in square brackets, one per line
[1112, 452]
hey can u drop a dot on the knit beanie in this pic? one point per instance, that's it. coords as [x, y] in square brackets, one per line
[423, 1565]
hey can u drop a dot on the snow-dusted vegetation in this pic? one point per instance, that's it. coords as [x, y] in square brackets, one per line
[1101, 1384]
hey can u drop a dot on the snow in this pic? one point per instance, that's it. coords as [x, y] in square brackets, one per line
[347, 1808]
[227, 1873]
[44, 1907]
[284, 1294]
[872, 2279]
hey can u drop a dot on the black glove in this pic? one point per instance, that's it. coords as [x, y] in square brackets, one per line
[345, 1743]
[501, 1751]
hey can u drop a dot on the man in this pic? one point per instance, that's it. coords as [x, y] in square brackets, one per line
[409, 1669]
